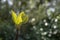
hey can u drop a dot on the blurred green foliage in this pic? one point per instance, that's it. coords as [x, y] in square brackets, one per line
[41, 25]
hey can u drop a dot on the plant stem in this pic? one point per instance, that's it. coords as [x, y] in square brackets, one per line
[16, 35]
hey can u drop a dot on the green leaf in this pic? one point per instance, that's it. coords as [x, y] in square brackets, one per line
[0, 38]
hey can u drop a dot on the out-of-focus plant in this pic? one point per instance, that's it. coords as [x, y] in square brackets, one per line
[18, 20]
[0, 38]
